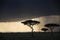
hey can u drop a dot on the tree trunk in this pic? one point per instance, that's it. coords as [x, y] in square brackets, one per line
[51, 29]
[31, 26]
[32, 31]
[52, 32]
[44, 31]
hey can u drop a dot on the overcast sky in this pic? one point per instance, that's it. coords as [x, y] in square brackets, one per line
[12, 10]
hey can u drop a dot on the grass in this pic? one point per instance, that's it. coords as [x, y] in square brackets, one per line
[28, 36]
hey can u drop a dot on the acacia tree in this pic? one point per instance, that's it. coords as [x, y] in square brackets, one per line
[44, 29]
[51, 26]
[30, 23]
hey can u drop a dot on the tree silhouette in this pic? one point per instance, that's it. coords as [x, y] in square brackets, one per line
[51, 26]
[30, 23]
[44, 29]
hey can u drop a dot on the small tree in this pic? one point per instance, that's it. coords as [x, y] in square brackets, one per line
[51, 26]
[30, 23]
[44, 29]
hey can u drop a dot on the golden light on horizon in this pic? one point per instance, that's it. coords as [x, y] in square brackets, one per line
[19, 27]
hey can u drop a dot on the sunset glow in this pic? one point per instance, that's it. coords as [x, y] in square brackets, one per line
[19, 27]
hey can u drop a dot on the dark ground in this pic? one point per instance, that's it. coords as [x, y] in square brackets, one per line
[28, 36]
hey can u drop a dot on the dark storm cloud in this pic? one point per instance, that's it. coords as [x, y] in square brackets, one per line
[14, 10]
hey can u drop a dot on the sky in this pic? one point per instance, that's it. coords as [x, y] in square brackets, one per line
[15, 10]
[12, 11]
[20, 27]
